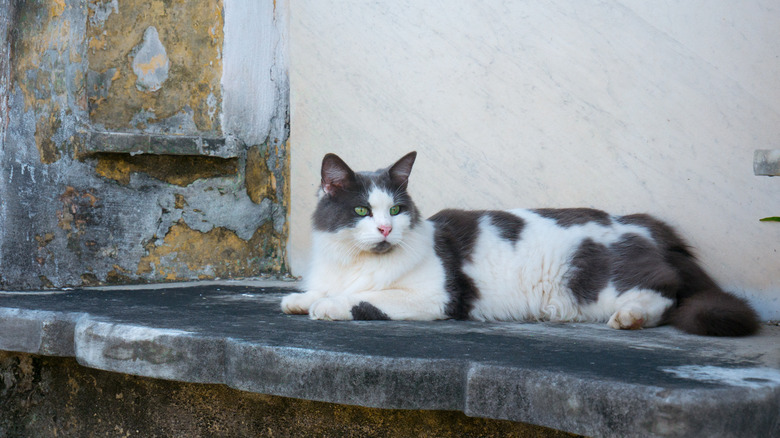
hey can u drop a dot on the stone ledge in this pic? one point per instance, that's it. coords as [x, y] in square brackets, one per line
[580, 378]
[160, 144]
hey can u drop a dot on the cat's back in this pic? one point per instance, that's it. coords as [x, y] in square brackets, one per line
[491, 243]
[521, 263]
[459, 231]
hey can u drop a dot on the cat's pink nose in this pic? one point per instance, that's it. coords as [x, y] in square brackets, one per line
[385, 229]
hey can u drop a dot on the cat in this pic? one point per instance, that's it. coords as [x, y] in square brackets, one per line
[375, 258]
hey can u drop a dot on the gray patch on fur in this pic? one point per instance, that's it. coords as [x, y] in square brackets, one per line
[639, 263]
[590, 271]
[454, 239]
[663, 234]
[366, 311]
[508, 224]
[382, 247]
[336, 210]
[567, 217]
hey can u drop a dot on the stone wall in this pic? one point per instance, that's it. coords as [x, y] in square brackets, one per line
[46, 396]
[140, 143]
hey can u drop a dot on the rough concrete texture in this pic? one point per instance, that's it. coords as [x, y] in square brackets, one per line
[581, 378]
[66, 224]
[70, 216]
[6, 15]
[46, 396]
[136, 46]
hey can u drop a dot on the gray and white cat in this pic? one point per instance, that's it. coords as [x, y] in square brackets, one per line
[374, 257]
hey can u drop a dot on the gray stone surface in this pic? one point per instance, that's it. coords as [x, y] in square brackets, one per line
[145, 143]
[766, 162]
[582, 378]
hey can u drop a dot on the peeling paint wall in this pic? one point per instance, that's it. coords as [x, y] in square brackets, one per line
[47, 72]
[154, 65]
[6, 14]
[71, 215]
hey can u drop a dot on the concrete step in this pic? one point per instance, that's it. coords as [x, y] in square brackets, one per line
[581, 378]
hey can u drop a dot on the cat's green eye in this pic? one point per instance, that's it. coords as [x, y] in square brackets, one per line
[361, 211]
[394, 210]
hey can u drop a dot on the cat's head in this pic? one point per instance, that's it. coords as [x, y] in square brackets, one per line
[370, 209]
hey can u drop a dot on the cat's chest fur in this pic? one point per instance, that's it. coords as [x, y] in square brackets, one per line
[338, 269]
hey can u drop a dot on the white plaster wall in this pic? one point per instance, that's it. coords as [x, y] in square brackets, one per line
[628, 106]
[254, 71]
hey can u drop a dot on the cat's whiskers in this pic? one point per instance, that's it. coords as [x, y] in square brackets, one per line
[412, 250]
[354, 251]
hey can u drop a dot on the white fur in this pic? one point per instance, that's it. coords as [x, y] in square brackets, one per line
[404, 283]
[527, 280]
[518, 281]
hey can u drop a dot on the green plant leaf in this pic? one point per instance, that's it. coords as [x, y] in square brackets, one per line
[771, 219]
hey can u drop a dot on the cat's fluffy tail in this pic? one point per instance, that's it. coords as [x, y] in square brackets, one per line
[713, 312]
[703, 308]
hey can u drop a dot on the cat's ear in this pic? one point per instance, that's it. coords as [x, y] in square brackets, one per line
[400, 171]
[336, 175]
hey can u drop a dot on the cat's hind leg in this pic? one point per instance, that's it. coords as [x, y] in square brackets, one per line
[639, 308]
[299, 303]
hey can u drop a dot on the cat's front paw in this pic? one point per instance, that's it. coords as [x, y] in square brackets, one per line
[331, 309]
[299, 303]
